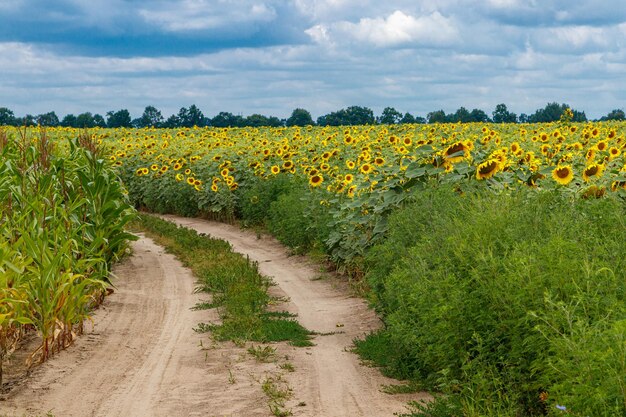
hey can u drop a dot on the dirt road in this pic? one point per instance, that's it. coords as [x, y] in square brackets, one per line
[333, 381]
[142, 357]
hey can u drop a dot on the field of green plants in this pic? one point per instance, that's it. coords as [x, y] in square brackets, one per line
[62, 217]
[494, 253]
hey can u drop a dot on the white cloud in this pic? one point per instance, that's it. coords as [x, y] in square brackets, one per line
[581, 36]
[319, 34]
[578, 39]
[322, 10]
[189, 15]
[397, 29]
[511, 4]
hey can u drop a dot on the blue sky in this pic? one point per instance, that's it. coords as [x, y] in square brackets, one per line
[269, 57]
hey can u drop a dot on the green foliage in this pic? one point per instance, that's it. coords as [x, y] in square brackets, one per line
[498, 298]
[300, 117]
[440, 406]
[353, 115]
[258, 194]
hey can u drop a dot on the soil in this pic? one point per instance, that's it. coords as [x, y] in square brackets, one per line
[141, 356]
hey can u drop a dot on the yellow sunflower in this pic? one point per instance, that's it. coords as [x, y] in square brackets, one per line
[487, 169]
[455, 149]
[366, 168]
[316, 180]
[614, 152]
[593, 170]
[563, 174]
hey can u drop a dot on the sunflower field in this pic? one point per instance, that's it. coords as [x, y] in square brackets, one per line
[62, 217]
[493, 252]
[360, 173]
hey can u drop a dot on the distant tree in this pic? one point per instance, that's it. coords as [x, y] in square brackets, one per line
[408, 118]
[357, 115]
[172, 122]
[68, 121]
[479, 116]
[7, 118]
[120, 118]
[502, 115]
[227, 119]
[48, 119]
[390, 116]
[523, 118]
[326, 120]
[616, 114]
[438, 116]
[85, 120]
[300, 117]
[99, 121]
[151, 117]
[461, 115]
[191, 117]
[353, 115]
[274, 121]
[552, 112]
[28, 120]
[256, 120]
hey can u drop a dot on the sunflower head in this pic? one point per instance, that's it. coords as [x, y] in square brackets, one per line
[614, 152]
[487, 169]
[366, 168]
[456, 152]
[592, 171]
[316, 180]
[563, 174]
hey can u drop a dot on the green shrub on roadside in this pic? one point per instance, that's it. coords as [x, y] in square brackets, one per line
[514, 302]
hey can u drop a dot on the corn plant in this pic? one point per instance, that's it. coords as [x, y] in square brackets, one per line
[62, 218]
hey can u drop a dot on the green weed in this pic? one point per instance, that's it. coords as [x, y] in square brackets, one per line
[287, 366]
[263, 353]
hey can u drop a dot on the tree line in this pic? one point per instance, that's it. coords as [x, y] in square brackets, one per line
[353, 115]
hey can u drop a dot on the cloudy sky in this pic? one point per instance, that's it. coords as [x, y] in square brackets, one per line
[271, 56]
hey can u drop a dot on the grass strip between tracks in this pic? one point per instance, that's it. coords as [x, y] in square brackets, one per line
[239, 291]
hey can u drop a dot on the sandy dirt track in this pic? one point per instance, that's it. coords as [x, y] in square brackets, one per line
[332, 381]
[142, 357]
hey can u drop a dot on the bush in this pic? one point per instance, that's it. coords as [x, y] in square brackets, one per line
[514, 301]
